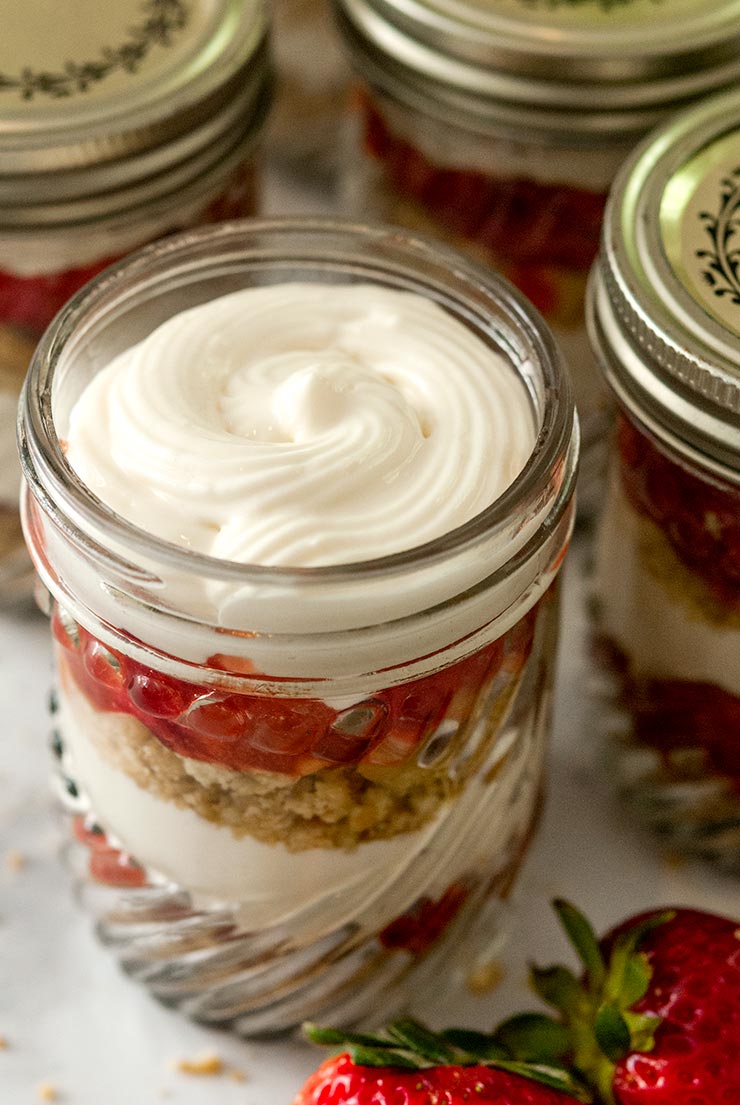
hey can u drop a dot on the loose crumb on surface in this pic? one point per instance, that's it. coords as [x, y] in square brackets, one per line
[15, 861]
[673, 861]
[47, 1091]
[485, 977]
[4, 1045]
[207, 1064]
[237, 1075]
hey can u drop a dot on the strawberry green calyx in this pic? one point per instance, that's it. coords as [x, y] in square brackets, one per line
[409, 1045]
[597, 1009]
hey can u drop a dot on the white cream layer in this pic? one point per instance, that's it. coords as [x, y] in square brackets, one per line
[592, 169]
[303, 425]
[660, 636]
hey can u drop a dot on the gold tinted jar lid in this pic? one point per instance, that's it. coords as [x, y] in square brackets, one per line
[589, 66]
[99, 98]
[665, 292]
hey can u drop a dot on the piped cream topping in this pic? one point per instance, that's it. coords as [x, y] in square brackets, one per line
[303, 425]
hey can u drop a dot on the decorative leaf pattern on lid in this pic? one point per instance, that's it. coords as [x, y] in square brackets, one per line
[162, 19]
[722, 261]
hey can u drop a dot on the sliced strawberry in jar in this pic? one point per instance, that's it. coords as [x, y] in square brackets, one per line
[419, 929]
[106, 864]
[101, 664]
[158, 696]
[114, 868]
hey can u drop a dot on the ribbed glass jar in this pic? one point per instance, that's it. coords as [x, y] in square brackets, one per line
[501, 126]
[666, 326]
[294, 808]
[152, 127]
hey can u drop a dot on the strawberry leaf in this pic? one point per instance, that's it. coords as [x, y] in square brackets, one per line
[534, 1036]
[335, 1037]
[421, 1041]
[385, 1057]
[630, 940]
[612, 1032]
[558, 987]
[475, 1044]
[557, 1078]
[584, 940]
[635, 980]
[629, 972]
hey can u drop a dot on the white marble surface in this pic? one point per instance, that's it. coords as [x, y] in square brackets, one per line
[71, 1017]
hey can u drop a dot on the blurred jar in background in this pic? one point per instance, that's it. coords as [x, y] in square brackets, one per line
[665, 307]
[501, 126]
[118, 124]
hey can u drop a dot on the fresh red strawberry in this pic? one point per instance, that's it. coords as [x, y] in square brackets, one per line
[655, 1020]
[409, 1065]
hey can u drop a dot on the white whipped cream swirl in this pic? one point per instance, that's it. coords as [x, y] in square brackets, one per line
[303, 425]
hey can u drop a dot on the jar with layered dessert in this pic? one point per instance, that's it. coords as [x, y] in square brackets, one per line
[298, 494]
[500, 126]
[127, 123]
[665, 315]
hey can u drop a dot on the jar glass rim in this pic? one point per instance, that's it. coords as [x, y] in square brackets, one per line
[329, 243]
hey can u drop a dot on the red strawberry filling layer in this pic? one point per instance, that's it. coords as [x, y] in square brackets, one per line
[287, 735]
[30, 302]
[701, 520]
[529, 226]
[672, 714]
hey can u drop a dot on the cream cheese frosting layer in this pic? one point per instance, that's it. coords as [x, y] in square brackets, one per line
[303, 425]
[660, 635]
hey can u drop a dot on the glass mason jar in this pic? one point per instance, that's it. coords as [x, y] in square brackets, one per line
[282, 803]
[665, 313]
[501, 126]
[150, 128]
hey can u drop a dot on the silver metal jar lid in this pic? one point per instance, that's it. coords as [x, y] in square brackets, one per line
[594, 67]
[99, 98]
[664, 298]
